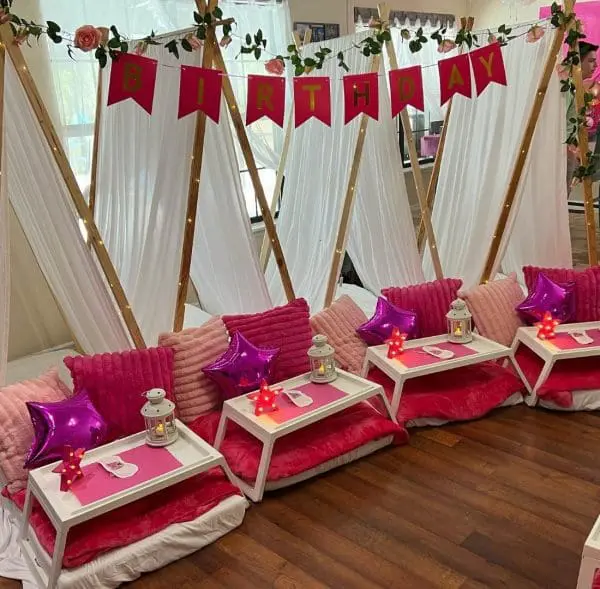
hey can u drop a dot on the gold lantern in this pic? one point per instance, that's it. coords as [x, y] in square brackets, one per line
[322, 363]
[460, 329]
[159, 416]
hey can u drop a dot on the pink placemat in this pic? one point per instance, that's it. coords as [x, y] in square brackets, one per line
[563, 341]
[98, 484]
[415, 357]
[321, 394]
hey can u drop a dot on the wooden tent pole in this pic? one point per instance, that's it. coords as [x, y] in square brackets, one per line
[68, 177]
[265, 250]
[522, 156]
[259, 191]
[342, 235]
[96, 145]
[437, 162]
[584, 146]
[194, 182]
[384, 14]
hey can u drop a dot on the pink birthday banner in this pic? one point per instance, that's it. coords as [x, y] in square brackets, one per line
[98, 484]
[417, 357]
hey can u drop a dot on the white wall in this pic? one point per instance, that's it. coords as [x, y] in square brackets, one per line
[342, 11]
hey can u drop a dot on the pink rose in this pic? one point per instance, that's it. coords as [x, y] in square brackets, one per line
[104, 34]
[446, 46]
[574, 150]
[492, 39]
[275, 66]
[589, 122]
[20, 37]
[87, 38]
[535, 33]
[562, 71]
[4, 16]
[225, 41]
[194, 42]
[140, 48]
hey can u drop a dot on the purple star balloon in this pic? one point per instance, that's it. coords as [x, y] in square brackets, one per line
[387, 316]
[74, 422]
[242, 367]
[558, 299]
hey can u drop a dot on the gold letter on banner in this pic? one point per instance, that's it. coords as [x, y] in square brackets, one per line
[455, 78]
[264, 97]
[366, 94]
[132, 77]
[312, 90]
[487, 64]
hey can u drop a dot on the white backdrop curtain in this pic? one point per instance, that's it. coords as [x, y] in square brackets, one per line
[142, 191]
[483, 137]
[382, 242]
[4, 273]
[42, 204]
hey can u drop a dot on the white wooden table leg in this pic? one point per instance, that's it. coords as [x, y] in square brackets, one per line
[57, 558]
[540, 381]
[587, 571]
[387, 406]
[512, 359]
[365, 368]
[397, 396]
[263, 470]
[221, 430]
[26, 513]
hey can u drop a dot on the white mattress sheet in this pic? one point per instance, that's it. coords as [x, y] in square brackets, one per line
[582, 401]
[36, 364]
[124, 564]
[364, 298]
[195, 316]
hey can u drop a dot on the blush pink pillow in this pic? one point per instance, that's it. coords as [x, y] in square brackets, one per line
[339, 323]
[587, 288]
[493, 308]
[116, 384]
[286, 328]
[193, 349]
[15, 423]
[429, 300]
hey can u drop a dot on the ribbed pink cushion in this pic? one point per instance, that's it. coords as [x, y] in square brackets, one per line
[15, 423]
[493, 308]
[286, 328]
[587, 288]
[339, 323]
[429, 300]
[195, 348]
[116, 384]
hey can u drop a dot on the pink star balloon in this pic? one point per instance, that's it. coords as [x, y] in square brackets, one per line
[242, 368]
[548, 296]
[379, 328]
[74, 422]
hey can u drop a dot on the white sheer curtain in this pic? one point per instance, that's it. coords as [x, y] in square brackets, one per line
[42, 204]
[382, 240]
[481, 147]
[4, 273]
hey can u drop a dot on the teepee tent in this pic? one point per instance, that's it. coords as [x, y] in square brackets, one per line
[38, 204]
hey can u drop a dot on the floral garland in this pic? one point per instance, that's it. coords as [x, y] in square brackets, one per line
[108, 42]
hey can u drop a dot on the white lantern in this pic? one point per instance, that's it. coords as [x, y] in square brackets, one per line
[322, 363]
[459, 323]
[159, 415]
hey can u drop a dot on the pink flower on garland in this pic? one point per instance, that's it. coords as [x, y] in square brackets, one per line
[225, 41]
[87, 38]
[446, 46]
[194, 42]
[275, 66]
[4, 16]
[534, 34]
[140, 48]
[492, 39]
[562, 71]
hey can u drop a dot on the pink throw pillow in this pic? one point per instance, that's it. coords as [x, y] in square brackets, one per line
[116, 384]
[15, 423]
[587, 288]
[429, 300]
[286, 328]
[195, 348]
[493, 308]
[339, 323]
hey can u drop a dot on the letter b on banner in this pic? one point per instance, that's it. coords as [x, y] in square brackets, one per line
[133, 76]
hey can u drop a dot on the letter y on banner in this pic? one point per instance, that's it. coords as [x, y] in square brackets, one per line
[455, 77]
[361, 95]
[200, 89]
[133, 76]
[406, 88]
[266, 98]
[488, 66]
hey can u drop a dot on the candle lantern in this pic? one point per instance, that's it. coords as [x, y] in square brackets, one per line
[322, 363]
[459, 323]
[159, 416]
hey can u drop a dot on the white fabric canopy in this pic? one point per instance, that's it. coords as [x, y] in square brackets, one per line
[483, 137]
[141, 202]
[43, 206]
[4, 273]
[382, 242]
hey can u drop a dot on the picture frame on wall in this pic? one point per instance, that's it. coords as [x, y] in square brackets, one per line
[320, 31]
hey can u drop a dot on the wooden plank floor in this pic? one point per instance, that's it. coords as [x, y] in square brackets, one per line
[506, 501]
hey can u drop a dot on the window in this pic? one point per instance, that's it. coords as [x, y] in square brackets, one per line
[268, 179]
[426, 135]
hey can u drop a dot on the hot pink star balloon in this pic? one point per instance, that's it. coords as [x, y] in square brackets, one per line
[379, 328]
[74, 422]
[548, 296]
[242, 367]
